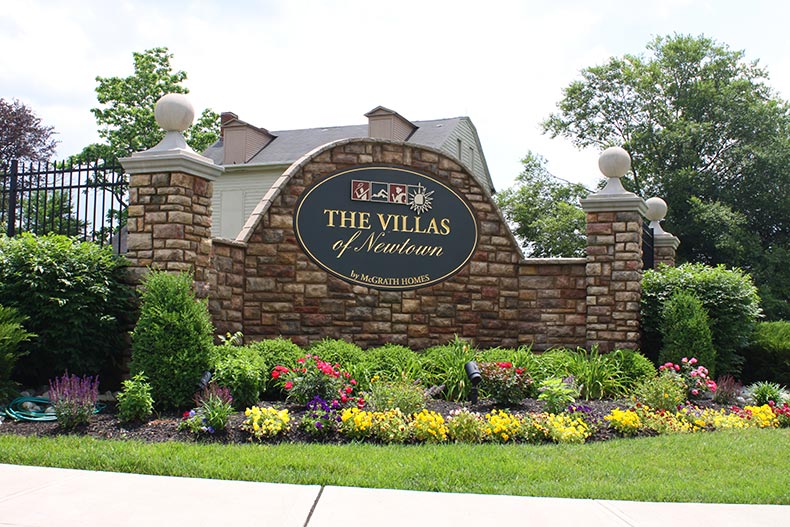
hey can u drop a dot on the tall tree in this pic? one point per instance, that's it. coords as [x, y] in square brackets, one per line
[706, 133]
[544, 211]
[126, 115]
[22, 135]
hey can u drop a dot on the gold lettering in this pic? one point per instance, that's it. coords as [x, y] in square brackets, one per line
[331, 213]
[445, 223]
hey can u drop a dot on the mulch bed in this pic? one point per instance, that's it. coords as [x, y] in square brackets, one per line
[164, 426]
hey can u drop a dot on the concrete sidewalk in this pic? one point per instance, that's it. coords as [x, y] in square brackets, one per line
[35, 496]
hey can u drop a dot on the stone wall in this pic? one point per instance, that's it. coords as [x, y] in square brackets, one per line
[498, 300]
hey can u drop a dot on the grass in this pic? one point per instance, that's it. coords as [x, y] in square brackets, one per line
[745, 466]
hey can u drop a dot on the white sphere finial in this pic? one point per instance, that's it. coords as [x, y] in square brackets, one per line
[614, 162]
[656, 209]
[174, 112]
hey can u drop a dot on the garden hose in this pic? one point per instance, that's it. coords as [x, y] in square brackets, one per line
[15, 410]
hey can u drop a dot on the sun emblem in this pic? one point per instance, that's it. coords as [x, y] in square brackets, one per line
[420, 199]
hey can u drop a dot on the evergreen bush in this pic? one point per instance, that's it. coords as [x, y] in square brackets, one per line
[75, 300]
[173, 339]
[728, 295]
[12, 334]
[685, 332]
[768, 354]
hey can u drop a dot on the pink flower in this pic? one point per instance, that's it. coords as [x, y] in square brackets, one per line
[693, 360]
[684, 360]
[300, 361]
[677, 368]
[694, 392]
[289, 385]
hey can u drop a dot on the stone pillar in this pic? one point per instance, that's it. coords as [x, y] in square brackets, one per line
[614, 258]
[170, 189]
[665, 245]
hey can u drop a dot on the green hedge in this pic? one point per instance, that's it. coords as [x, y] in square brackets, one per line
[728, 295]
[75, 299]
[768, 355]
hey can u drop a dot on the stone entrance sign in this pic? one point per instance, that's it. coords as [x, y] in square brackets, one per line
[386, 227]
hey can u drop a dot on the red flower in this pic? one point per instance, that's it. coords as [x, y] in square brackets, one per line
[360, 403]
[300, 361]
[352, 381]
[349, 389]
[275, 374]
[505, 364]
[343, 398]
[519, 370]
[289, 385]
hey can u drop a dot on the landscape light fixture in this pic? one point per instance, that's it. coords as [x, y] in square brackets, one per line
[204, 380]
[473, 372]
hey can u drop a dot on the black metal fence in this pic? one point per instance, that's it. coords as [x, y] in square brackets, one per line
[87, 201]
[648, 255]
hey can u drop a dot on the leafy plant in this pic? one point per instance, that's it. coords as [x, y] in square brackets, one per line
[465, 426]
[694, 376]
[444, 366]
[134, 400]
[243, 371]
[768, 353]
[685, 331]
[505, 383]
[263, 423]
[315, 377]
[173, 339]
[12, 334]
[75, 299]
[557, 394]
[214, 406]
[596, 375]
[322, 417]
[765, 392]
[633, 366]
[728, 295]
[277, 351]
[391, 362]
[408, 397]
[664, 392]
[74, 399]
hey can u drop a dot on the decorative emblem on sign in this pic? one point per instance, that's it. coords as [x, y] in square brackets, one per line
[417, 197]
[386, 227]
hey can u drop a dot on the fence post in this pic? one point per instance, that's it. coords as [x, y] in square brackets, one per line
[170, 190]
[665, 245]
[11, 222]
[614, 258]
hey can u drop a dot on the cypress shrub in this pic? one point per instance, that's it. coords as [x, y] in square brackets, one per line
[173, 339]
[686, 332]
[768, 355]
[12, 334]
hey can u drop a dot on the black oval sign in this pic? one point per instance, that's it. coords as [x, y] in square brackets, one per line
[386, 227]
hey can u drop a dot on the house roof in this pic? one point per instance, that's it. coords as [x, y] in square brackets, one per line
[289, 145]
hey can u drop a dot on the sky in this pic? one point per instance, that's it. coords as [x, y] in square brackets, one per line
[283, 64]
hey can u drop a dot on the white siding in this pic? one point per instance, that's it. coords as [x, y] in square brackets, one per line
[471, 156]
[235, 197]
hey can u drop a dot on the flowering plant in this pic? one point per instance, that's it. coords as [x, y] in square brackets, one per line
[627, 422]
[694, 376]
[314, 377]
[505, 383]
[428, 427]
[390, 426]
[503, 426]
[566, 428]
[356, 423]
[265, 422]
[782, 414]
[74, 399]
[322, 417]
[214, 406]
[464, 426]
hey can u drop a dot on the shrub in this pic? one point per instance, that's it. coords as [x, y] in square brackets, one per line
[764, 392]
[134, 401]
[520, 358]
[390, 362]
[214, 408]
[265, 423]
[408, 397]
[664, 392]
[74, 399]
[768, 354]
[75, 300]
[465, 426]
[337, 351]
[12, 334]
[685, 331]
[444, 366]
[504, 382]
[729, 296]
[634, 368]
[557, 394]
[173, 339]
[243, 371]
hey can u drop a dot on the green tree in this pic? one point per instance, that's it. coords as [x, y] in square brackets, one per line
[706, 133]
[545, 211]
[51, 211]
[126, 115]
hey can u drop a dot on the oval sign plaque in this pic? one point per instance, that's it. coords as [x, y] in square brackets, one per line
[386, 227]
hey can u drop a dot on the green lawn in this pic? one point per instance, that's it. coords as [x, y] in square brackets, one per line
[746, 466]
